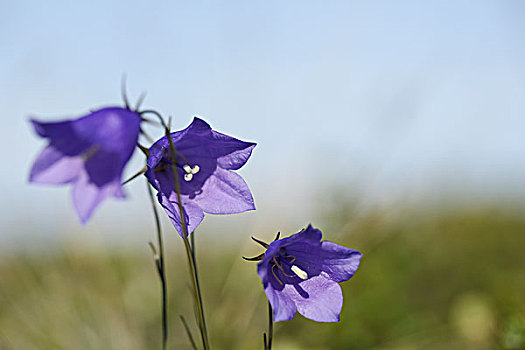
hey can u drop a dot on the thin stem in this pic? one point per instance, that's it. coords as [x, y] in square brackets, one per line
[162, 272]
[192, 244]
[140, 100]
[189, 252]
[157, 114]
[137, 174]
[188, 332]
[193, 257]
[268, 341]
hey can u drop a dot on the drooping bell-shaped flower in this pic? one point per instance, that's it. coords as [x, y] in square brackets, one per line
[206, 161]
[90, 152]
[301, 273]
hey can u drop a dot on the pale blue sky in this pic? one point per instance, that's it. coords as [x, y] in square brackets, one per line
[393, 99]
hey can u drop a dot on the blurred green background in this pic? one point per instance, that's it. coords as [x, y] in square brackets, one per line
[431, 278]
[394, 127]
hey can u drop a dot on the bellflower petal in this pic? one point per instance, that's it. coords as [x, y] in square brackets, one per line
[87, 196]
[52, 167]
[239, 155]
[324, 302]
[225, 192]
[62, 137]
[193, 214]
[303, 271]
[340, 263]
[205, 163]
[283, 305]
[90, 152]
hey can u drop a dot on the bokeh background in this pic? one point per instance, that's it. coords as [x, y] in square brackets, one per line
[394, 127]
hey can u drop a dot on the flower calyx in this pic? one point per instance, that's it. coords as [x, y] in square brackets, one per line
[264, 244]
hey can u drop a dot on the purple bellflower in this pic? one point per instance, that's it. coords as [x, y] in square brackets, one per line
[301, 273]
[90, 152]
[205, 163]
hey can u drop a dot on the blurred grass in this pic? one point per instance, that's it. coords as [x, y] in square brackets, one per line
[429, 279]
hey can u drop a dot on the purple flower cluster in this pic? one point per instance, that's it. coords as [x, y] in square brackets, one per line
[92, 151]
[299, 273]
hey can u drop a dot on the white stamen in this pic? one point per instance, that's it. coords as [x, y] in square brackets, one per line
[190, 171]
[300, 273]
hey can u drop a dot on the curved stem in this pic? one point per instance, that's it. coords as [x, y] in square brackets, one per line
[189, 252]
[159, 260]
[158, 115]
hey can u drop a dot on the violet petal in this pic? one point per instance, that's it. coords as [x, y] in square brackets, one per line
[54, 168]
[225, 192]
[193, 214]
[325, 299]
[283, 306]
[340, 263]
[87, 196]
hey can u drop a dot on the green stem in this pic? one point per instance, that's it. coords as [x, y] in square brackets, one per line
[188, 332]
[161, 269]
[192, 244]
[268, 340]
[189, 253]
